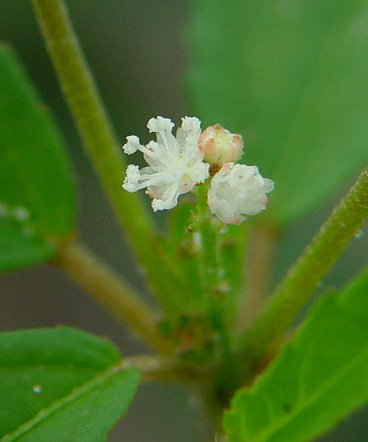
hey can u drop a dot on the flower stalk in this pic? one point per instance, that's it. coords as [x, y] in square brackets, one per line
[210, 257]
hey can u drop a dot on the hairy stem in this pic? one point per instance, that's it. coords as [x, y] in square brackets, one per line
[304, 276]
[92, 122]
[112, 292]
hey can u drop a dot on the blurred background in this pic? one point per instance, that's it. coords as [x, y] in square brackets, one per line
[137, 52]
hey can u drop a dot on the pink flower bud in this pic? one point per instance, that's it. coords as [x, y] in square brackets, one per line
[219, 146]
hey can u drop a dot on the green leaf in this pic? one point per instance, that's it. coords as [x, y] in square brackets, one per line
[61, 385]
[318, 378]
[37, 194]
[288, 75]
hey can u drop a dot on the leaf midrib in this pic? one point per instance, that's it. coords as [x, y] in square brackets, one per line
[56, 406]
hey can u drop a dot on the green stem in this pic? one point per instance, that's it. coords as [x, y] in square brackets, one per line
[305, 275]
[210, 252]
[209, 259]
[111, 291]
[91, 119]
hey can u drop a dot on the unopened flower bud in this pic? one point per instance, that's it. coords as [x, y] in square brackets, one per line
[219, 146]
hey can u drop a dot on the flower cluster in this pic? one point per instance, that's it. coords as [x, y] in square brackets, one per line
[177, 164]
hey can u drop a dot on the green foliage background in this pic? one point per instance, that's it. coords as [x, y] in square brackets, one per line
[137, 53]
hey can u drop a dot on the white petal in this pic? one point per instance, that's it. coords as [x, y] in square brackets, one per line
[165, 197]
[158, 204]
[131, 182]
[132, 145]
[188, 135]
[160, 124]
[191, 124]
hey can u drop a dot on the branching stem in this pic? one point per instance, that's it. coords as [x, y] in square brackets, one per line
[111, 291]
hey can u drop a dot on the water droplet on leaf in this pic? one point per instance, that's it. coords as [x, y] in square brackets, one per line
[37, 389]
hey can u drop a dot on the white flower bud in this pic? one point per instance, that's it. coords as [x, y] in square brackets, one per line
[219, 146]
[238, 190]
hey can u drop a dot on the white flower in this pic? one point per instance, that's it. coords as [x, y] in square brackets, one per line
[175, 165]
[219, 146]
[238, 190]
